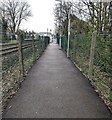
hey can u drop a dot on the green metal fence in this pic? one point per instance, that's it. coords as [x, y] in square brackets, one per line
[16, 60]
[101, 76]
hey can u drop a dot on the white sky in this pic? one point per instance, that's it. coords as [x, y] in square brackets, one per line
[42, 18]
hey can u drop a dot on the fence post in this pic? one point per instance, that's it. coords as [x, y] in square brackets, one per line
[92, 51]
[42, 43]
[75, 48]
[20, 53]
[33, 47]
[1, 33]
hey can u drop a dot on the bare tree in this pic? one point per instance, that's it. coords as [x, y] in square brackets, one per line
[78, 16]
[15, 12]
[61, 15]
[98, 14]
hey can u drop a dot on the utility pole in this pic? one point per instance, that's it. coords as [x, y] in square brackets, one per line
[68, 44]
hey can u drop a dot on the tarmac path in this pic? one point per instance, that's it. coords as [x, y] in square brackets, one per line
[55, 88]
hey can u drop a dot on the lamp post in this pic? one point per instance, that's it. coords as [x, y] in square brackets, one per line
[68, 43]
[61, 2]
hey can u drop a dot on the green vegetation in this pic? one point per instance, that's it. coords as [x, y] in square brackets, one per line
[11, 66]
[87, 17]
[102, 71]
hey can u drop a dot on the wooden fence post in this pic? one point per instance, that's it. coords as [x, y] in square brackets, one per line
[42, 43]
[33, 47]
[21, 64]
[74, 44]
[92, 51]
[39, 45]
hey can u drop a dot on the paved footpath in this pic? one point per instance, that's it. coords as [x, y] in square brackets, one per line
[54, 88]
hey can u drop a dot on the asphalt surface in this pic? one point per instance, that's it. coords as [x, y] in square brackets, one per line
[55, 88]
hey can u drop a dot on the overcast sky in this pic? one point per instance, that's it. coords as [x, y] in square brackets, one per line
[42, 18]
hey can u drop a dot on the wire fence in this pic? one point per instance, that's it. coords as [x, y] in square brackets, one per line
[100, 71]
[17, 59]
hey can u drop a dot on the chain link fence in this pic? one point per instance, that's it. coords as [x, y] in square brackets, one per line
[17, 59]
[101, 68]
